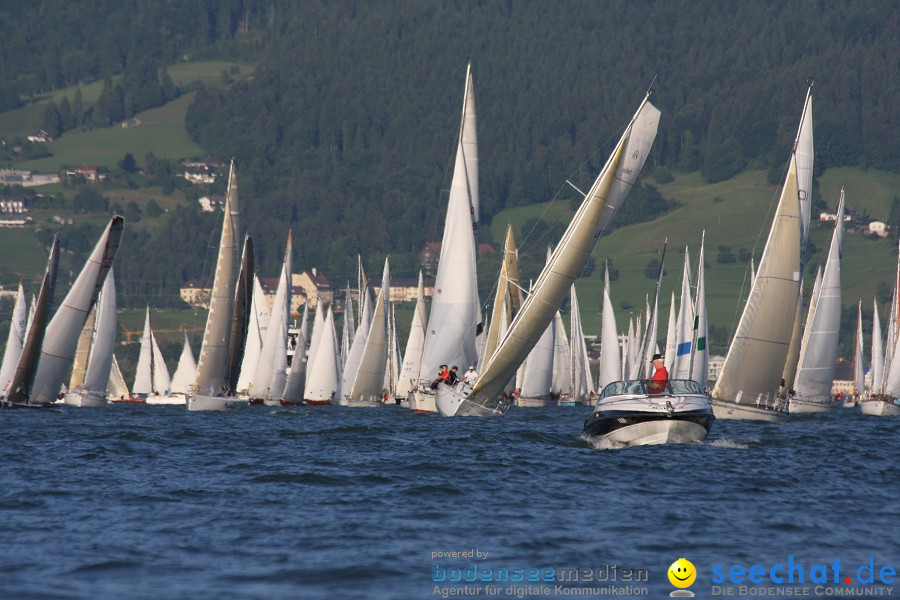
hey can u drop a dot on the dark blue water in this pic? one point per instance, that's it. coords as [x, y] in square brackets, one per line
[156, 502]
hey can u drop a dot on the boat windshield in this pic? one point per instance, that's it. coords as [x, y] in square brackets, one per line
[639, 387]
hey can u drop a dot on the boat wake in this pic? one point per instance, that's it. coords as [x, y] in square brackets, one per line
[599, 443]
[726, 443]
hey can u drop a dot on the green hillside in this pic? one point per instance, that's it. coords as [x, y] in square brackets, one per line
[26, 120]
[734, 213]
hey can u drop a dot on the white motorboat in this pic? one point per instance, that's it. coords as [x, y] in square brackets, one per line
[627, 414]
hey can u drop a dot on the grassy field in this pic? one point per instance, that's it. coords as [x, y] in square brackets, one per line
[23, 257]
[160, 130]
[27, 119]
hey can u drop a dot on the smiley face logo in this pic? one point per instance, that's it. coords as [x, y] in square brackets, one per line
[682, 573]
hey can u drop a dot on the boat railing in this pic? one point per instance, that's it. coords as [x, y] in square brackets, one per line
[648, 387]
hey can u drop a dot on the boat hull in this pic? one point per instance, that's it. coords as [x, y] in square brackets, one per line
[198, 402]
[879, 408]
[131, 400]
[731, 410]
[541, 402]
[639, 420]
[174, 400]
[422, 401]
[452, 402]
[317, 402]
[798, 406]
[85, 399]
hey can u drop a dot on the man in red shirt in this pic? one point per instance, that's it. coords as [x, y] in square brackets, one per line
[657, 383]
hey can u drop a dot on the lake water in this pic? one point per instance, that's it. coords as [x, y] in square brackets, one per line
[329, 502]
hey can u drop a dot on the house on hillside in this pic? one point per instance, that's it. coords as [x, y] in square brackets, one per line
[203, 171]
[13, 204]
[404, 289]
[197, 292]
[878, 228]
[270, 287]
[90, 173]
[15, 177]
[211, 203]
[315, 285]
[41, 137]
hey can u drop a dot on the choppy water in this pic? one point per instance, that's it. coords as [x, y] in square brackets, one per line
[156, 502]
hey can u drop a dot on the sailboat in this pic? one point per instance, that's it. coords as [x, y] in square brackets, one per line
[610, 352]
[15, 341]
[270, 379]
[367, 386]
[91, 387]
[415, 344]
[818, 350]
[256, 333]
[455, 317]
[17, 391]
[582, 390]
[59, 338]
[180, 384]
[599, 206]
[747, 387]
[116, 388]
[323, 377]
[221, 353]
[884, 400]
[151, 378]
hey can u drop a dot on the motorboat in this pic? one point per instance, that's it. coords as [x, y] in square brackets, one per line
[628, 413]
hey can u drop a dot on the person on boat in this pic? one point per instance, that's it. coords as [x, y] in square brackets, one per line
[470, 377]
[453, 376]
[657, 383]
[443, 375]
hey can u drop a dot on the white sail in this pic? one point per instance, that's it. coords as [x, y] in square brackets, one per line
[117, 388]
[815, 373]
[582, 384]
[538, 375]
[15, 341]
[83, 351]
[351, 368]
[143, 376]
[368, 386]
[859, 373]
[346, 337]
[161, 380]
[756, 358]
[469, 138]
[671, 337]
[610, 357]
[271, 370]
[318, 328]
[700, 355]
[562, 358]
[185, 372]
[322, 383]
[96, 378]
[415, 344]
[685, 325]
[605, 195]
[455, 313]
[877, 351]
[296, 378]
[61, 337]
[259, 321]
[213, 360]
[804, 158]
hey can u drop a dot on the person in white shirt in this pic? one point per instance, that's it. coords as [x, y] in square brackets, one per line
[470, 377]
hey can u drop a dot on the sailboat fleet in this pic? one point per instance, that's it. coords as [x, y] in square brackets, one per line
[777, 362]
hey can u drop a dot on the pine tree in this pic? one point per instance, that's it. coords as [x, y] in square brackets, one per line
[77, 109]
[51, 122]
[65, 114]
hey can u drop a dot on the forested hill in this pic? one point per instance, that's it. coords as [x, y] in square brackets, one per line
[349, 126]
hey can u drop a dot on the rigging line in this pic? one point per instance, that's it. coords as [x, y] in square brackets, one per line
[556, 196]
[741, 300]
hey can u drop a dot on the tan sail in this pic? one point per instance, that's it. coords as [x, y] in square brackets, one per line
[755, 361]
[214, 351]
[569, 257]
[82, 351]
[509, 295]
